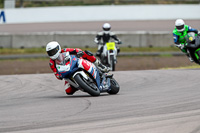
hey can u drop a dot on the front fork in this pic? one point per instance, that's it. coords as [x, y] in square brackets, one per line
[112, 52]
[109, 54]
[105, 84]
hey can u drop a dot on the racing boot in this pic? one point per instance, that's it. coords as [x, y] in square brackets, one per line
[100, 66]
[188, 55]
[69, 89]
[190, 58]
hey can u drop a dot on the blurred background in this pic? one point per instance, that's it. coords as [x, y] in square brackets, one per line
[45, 3]
[144, 27]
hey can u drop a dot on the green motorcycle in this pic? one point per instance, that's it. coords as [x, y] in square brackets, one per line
[193, 46]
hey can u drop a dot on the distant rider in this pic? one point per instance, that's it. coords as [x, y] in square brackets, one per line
[105, 36]
[53, 50]
[179, 34]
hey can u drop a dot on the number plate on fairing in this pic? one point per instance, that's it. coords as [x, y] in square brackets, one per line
[110, 45]
[63, 68]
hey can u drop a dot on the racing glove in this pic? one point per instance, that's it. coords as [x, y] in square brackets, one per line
[181, 46]
[58, 76]
[118, 42]
[96, 41]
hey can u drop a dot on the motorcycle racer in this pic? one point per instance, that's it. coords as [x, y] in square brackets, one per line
[179, 33]
[105, 36]
[53, 50]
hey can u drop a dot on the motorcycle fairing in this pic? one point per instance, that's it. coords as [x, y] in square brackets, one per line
[105, 84]
[68, 68]
[196, 53]
[95, 74]
[76, 63]
[63, 68]
[194, 48]
[110, 45]
[91, 68]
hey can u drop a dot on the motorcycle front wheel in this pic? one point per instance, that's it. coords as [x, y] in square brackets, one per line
[112, 63]
[87, 85]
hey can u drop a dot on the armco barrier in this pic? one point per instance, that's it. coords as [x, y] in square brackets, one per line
[85, 39]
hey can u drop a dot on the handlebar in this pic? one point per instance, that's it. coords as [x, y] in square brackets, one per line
[116, 42]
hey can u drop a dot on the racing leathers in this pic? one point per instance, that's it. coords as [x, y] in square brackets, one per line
[84, 54]
[105, 36]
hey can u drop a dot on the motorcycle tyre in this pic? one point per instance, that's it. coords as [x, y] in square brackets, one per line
[85, 87]
[198, 53]
[194, 57]
[114, 87]
[112, 62]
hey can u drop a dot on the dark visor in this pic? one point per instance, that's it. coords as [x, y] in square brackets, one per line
[180, 27]
[106, 29]
[53, 51]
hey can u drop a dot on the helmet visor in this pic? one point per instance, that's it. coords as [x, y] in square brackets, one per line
[53, 51]
[106, 29]
[180, 27]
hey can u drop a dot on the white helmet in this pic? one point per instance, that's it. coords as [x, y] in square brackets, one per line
[106, 27]
[180, 25]
[53, 49]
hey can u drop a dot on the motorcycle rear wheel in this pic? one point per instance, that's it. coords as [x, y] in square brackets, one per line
[87, 86]
[114, 87]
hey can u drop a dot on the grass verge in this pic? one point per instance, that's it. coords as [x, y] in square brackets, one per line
[195, 66]
[6, 51]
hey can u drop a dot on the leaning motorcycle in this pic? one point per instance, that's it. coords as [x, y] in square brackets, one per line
[193, 46]
[85, 76]
[109, 55]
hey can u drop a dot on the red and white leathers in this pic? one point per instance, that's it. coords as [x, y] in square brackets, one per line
[68, 88]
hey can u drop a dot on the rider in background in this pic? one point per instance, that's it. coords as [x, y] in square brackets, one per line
[105, 35]
[179, 33]
[53, 50]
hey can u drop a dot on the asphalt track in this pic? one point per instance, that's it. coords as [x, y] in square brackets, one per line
[150, 101]
[148, 25]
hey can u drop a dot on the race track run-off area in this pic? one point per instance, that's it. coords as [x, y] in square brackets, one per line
[150, 101]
